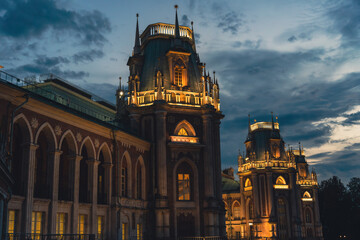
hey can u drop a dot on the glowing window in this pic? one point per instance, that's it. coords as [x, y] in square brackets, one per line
[236, 210]
[36, 225]
[184, 186]
[280, 181]
[248, 183]
[81, 224]
[139, 232]
[178, 76]
[307, 195]
[182, 132]
[60, 223]
[11, 224]
[100, 226]
[124, 231]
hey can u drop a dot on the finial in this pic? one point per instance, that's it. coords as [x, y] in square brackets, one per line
[299, 149]
[137, 37]
[276, 118]
[272, 121]
[120, 82]
[193, 35]
[249, 123]
[214, 75]
[255, 120]
[177, 29]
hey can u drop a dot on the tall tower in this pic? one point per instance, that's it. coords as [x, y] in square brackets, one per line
[174, 104]
[278, 195]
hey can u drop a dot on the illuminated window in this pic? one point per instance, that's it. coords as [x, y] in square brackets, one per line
[280, 181]
[306, 195]
[11, 224]
[60, 223]
[184, 182]
[124, 231]
[36, 225]
[182, 132]
[236, 210]
[82, 224]
[100, 226]
[124, 183]
[139, 232]
[248, 183]
[178, 77]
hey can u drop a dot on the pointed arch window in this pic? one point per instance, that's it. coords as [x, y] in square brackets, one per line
[308, 217]
[182, 132]
[248, 185]
[178, 75]
[281, 183]
[236, 210]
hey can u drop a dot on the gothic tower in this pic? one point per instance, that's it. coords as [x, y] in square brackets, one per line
[174, 104]
[278, 196]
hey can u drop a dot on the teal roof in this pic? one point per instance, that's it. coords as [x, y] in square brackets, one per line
[230, 185]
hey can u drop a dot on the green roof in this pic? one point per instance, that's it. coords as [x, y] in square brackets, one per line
[230, 185]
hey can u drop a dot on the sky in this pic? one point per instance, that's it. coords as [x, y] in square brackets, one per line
[298, 59]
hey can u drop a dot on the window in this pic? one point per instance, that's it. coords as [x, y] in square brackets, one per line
[124, 173]
[82, 224]
[178, 76]
[280, 181]
[60, 223]
[184, 182]
[308, 216]
[251, 210]
[139, 232]
[124, 231]
[11, 224]
[36, 225]
[306, 195]
[236, 210]
[182, 132]
[100, 227]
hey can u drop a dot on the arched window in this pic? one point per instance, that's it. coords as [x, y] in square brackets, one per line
[308, 217]
[101, 180]
[124, 178]
[178, 76]
[248, 183]
[236, 210]
[280, 181]
[65, 169]
[306, 195]
[182, 132]
[184, 183]
[84, 191]
[282, 216]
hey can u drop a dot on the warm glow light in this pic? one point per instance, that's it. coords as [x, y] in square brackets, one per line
[185, 139]
[1, 66]
[281, 186]
[307, 199]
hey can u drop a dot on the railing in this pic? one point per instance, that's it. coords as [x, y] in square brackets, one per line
[165, 29]
[32, 85]
[31, 236]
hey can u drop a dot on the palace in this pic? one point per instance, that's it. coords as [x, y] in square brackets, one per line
[276, 196]
[78, 167]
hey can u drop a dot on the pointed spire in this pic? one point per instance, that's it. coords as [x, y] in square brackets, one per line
[299, 149]
[272, 121]
[249, 123]
[137, 49]
[119, 82]
[193, 35]
[177, 29]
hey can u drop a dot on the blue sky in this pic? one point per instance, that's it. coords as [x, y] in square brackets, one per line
[299, 59]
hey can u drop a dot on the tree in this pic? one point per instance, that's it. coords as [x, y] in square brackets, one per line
[354, 194]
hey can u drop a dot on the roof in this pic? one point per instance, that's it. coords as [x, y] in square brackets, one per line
[229, 185]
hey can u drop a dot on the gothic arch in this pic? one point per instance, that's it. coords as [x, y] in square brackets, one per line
[125, 157]
[106, 151]
[26, 124]
[250, 211]
[195, 183]
[71, 138]
[306, 195]
[88, 143]
[236, 214]
[280, 181]
[308, 215]
[187, 126]
[248, 182]
[50, 135]
[140, 163]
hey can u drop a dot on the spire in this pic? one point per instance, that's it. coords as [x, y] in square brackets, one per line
[249, 123]
[120, 83]
[299, 149]
[137, 38]
[193, 35]
[177, 29]
[272, 121]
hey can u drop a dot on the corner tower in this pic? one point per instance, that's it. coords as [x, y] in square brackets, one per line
[175, 104]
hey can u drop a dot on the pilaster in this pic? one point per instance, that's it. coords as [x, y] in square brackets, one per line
[55, 191]
[75, 209]
[93, 178]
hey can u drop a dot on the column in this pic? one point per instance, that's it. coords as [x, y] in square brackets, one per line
[271, 207]
[93, 180]
[55, 191]
[75, 209]
[29, 191]
[208, 156]
[295, 206]
[255, 190]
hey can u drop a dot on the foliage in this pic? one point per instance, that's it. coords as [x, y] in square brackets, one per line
[340, 208]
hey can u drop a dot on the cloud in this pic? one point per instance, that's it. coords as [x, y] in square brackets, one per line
[50, 61]
[185, 21]
[87, 56]
[32, 18]
[104, 90]
[231, 22]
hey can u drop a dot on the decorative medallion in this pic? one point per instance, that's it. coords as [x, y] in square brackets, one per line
[58, 130]
[34, 123]
[96, 143]
[78, 137]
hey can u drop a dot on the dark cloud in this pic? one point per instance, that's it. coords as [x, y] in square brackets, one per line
[185, 21]
[292, 39]
[50, 61]
[258, 81]
[87, 56]
[31, 18]
[231, 22]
